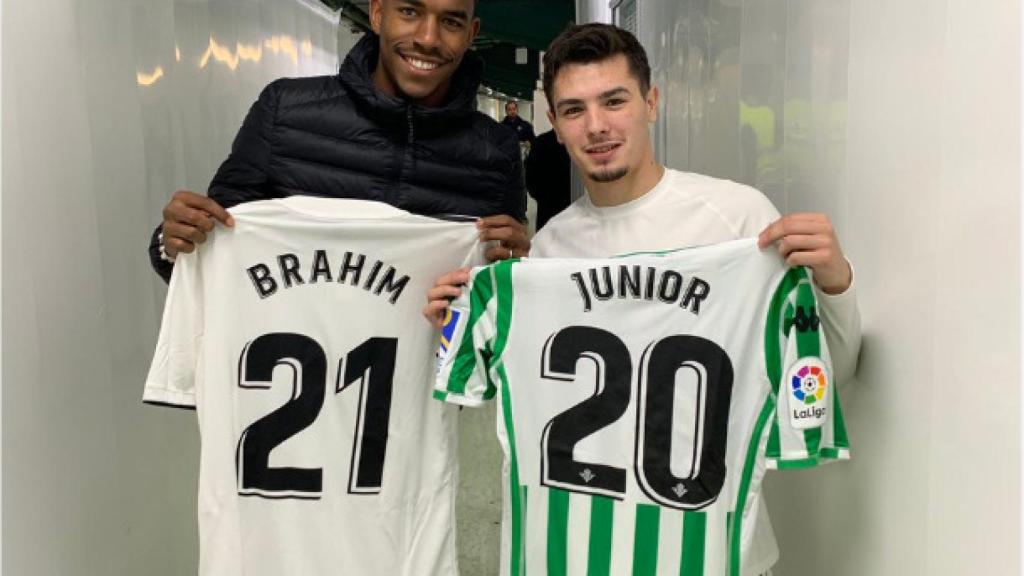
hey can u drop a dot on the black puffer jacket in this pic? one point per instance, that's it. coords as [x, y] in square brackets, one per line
[338, 136]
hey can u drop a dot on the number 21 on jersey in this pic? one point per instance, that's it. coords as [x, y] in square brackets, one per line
[372, 364]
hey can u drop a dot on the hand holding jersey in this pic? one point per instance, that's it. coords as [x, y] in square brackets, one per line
[808, 239]
[445, 289]
[507, 234]
[188, 218]
[507, 238]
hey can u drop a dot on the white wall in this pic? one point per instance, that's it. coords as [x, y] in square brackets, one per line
[934, 227]
[901, 120]
[109, 106]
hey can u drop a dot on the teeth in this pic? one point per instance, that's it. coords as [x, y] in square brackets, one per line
[601, 149]
[421, 64]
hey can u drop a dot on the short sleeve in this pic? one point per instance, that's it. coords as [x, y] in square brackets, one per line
[467, 344]
[171, 379]
[807, 426]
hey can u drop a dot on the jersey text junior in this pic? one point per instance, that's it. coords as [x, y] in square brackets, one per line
[639, 397]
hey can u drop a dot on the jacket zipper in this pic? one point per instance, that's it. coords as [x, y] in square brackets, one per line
[412, 133]
[406, 153]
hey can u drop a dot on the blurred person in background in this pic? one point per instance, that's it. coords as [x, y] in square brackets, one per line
[523, 129]
[549, 177]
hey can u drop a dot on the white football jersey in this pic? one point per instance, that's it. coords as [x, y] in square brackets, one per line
[297, 335]
[641, 398]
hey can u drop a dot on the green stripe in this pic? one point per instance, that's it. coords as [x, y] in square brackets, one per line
[774, 449]
[526, 500]
[465, 359]
[808, 343]
[811, 461]
[516, 494]
[505, 293]
[503, 277]
[773, 331]
[735, 527]
[832, 452]
[839, 437]
[812, 438]
[773, 335]
[599, 556]
[694, 534]
[801, 464]
[728, 538]
[558, 531]
[645, 540]
[824, 453]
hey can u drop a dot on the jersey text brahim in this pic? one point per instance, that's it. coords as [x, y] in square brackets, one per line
[379, 278]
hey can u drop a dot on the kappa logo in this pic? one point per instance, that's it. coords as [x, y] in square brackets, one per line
[587, 475]
[804, 320]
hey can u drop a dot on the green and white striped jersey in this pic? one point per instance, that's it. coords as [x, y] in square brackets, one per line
[641, 399]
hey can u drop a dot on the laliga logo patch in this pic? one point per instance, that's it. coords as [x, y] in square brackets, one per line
[808, 382]
[451, 322]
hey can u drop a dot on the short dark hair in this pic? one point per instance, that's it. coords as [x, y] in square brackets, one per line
[586, 43]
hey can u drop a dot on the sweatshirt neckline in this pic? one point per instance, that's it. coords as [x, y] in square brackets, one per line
[631, 206]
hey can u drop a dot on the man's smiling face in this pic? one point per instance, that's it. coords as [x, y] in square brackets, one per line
[602, 116]
[422, 43]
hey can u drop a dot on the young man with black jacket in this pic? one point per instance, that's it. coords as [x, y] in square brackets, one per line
[397, 124]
